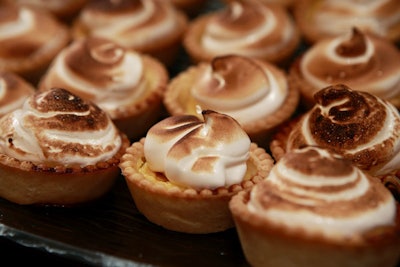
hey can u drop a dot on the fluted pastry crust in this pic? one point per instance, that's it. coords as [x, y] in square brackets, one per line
[362, 61]
[253, 29]
[319, 19]
[29, 40]
[14, 91]
[153, 27]
[58, 150]
[128, 85]
[176, 204]
[315, 206]
[254, 92]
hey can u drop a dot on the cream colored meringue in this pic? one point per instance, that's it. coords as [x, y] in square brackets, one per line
[323, 194]
[58, 128]
[198, 154]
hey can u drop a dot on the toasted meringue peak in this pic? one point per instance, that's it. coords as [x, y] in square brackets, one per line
[197, 153]
[353, 47]
[25, 31]
[92, 58]
[57, 127]
[356, 124]
[244, 88]
[236, 81]
[320, 192]
[362, 61]
[127, 22]
[331, 18]
[14, 90]
[100, 70]
[249, 28]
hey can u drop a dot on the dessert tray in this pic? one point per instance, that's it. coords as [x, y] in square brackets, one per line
[111, 232]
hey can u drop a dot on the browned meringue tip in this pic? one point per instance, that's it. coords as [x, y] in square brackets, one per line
[185, 209]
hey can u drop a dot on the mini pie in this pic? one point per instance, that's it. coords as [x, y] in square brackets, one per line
[29, 39]
[184, 172]
[153, 27]
[319, 19]
[126, 84]
[360, 60]
[248, 28]
[14, 91]
[65, 10]
[362, 127]
[254, 92]
[317, 209]
[58, 149]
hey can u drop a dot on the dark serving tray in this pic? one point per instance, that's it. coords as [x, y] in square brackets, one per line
[111, 232]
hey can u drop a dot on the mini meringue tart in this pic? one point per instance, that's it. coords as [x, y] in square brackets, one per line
[184, 172]
[153, 27]
[29, 39]
[65, 10]
[316, 209]
[358, 125]
[362, 61]
[59, 150]
[14, 90]
[320, 19]
[254, 92]
[248, 28]
[126, 84]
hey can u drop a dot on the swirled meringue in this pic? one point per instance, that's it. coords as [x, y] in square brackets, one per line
[148, 26]
[323, 194]
[198, 154]
[329, 18]
[254, 92]
[59, 128]
[240, 87]
[13, 92]
[253, 29]
[355, 124]
[29, 39]
[100, 70]
[362, 61]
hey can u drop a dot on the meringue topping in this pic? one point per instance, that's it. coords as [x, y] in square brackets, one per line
[13, 92]
[197, 153]
[243, 88]
[334, 17]
[358, 125]
[24, 31]
[322, 193]
[100, 70]
[57, 127]
[360, 60]
[248, 28]
[126, 22]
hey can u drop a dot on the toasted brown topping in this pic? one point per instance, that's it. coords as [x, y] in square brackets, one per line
[70, 111]
[344, 118]
[92, 58]
[234, 77]
[355, 46]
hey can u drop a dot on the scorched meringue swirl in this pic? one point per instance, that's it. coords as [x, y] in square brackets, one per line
[56, 127]
[355, 124]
